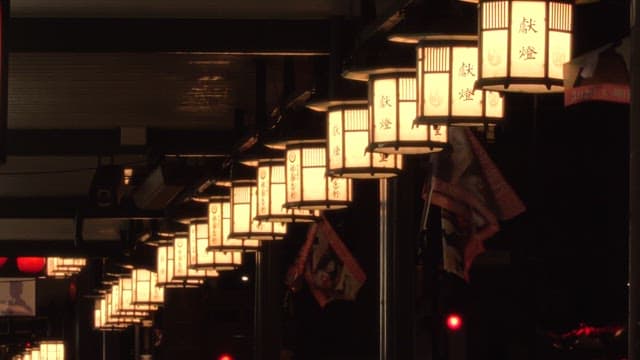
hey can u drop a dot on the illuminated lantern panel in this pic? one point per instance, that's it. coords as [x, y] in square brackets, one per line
[272, 194]
[244, 208]
[124, 301]
[52, 350]
[205, 259]
[348, 140]
[182, 255]
[35, 354]
[524, 44]
[447, 68]
[220, 227]
[165, 269]
[307, 185]
[63, 267]
[145, 291]
[392, 115]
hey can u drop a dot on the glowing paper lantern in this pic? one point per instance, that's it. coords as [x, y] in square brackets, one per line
[31, 265]
[182, 254]
[145, 291]
[165, 269]
[307, 185]
[348, 139]
[219, 211]
[203, 258]
[244, 208]
[52, 350]
[524, 44]
[272, 193]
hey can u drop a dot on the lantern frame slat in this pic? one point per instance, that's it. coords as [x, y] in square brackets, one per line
[545, 82]
[372, 168]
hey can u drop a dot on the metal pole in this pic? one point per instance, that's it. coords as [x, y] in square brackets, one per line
[634, 190]
[384, 273]
[104, 345]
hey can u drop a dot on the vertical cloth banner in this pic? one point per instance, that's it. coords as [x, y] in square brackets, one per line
[327, 266]
[473, 195]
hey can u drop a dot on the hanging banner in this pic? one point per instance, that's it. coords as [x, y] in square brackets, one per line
[599, 75]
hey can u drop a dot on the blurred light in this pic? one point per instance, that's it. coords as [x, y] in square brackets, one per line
[31, 265]
[454, 322]
[244, 278]
[225, 357]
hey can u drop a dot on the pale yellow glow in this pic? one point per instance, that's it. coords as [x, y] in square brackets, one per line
[145, 290]
[208, 259]
[52, 350]
[62, 267]
[540, 35]
[220, 228]
[165, 268]
[244, 202]
[35, 354]
[347, 142]
[393, 110]
[307, 185]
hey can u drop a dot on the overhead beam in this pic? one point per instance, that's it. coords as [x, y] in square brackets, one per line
[228, 36]
[67, 207]
[60, 248]
[90, 142]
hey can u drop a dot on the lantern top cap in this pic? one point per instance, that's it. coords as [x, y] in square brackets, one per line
[314, 142]
[258, 152]
[198, 221]
[243, 182]
[271, 162]
[325, 106]
[453, 39]
[363, 74]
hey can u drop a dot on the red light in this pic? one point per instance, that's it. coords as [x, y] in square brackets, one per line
[225, 357]
[3, 260]
[454, 322]
[31, 265]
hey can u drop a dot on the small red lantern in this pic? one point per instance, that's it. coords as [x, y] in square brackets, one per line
[31, 265]
[454, 322]
[3, 260]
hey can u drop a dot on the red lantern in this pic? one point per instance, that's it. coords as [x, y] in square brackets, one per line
[31, 265]
[3, 260]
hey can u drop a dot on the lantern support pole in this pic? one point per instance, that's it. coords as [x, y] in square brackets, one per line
[383, 268]
[634, 186]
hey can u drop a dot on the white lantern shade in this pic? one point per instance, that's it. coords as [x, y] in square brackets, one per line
[205, 259]
[219, 212]
[145, 290]
[182, 255]
[52, 350]
[392, 115]
[244, 208]
[272, 194]
[348, 140]
[165, 267]
[125, 300]
[308, 187]
[58, 267]
[447, 69]
[524, 44]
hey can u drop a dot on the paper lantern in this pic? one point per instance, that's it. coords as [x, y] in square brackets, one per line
[52, 350]
[272, 193]
[145, 291]
[347, 142]
[219, 211]
[125, 305]
[3, 260]
[205, 259]
[182, 255]
[31, 265]
[524, 44]
[63, 267]
[244, 208]
[307, 185]
[165, 268]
